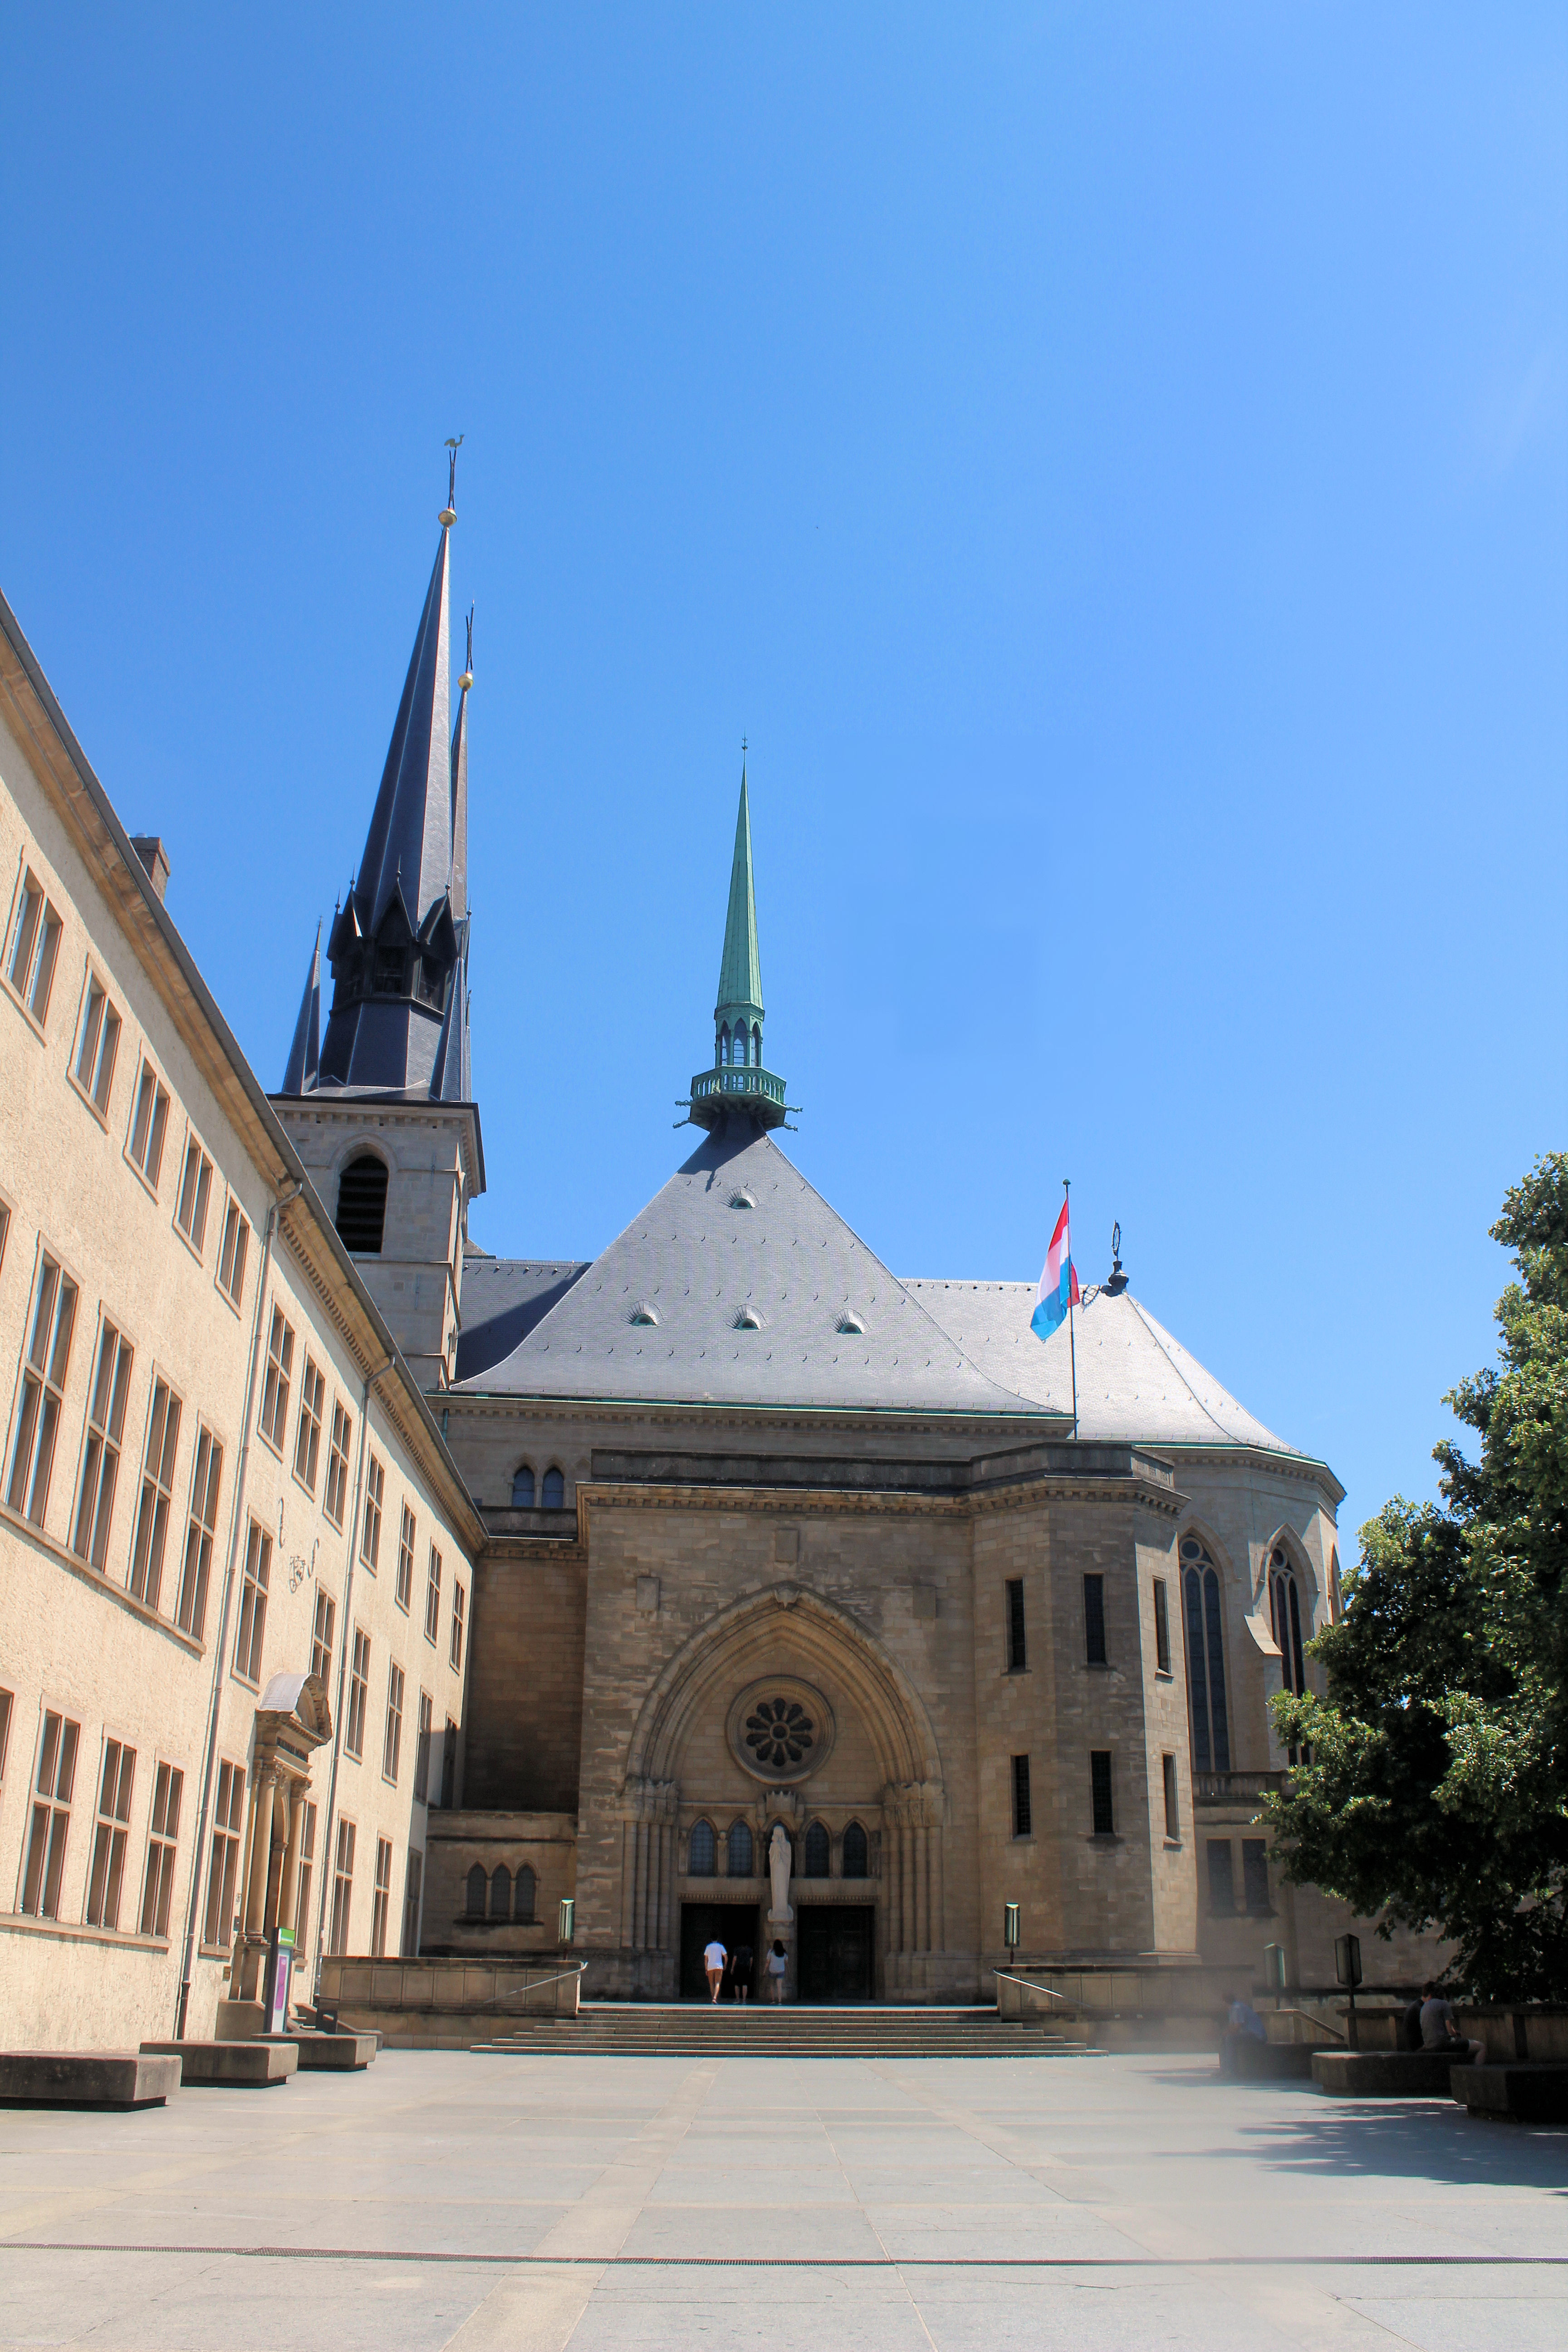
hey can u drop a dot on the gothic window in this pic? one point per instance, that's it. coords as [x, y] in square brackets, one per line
[522, 1488]
[431, 982]
[1285, 1621]
[527, 1885]
[1205, 1658]
[723, 1044]
[815, 1865]
[857, 1853]
[362, 1204]
[554, 1496]
[757, 1047]
[738, 1862]
[388, 971]
[478, 1885]
[702, 1859]
[501, 1892]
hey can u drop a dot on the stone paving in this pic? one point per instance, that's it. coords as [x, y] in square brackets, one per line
[483, 2202]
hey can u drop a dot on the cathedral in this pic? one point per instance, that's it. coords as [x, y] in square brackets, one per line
[778, 1538]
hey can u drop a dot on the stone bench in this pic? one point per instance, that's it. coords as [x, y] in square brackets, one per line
[1243, 2059]
[1383, 2074]
[230, 2065]
[328, 2053]
[1525, 2094]
[85, 2078]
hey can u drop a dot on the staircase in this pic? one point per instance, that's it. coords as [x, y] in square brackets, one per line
[626, 2029]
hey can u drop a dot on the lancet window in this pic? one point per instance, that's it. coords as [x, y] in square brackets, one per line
[738, 1860]
[702, 1852]
[857, 1852]
[501, 1892]
[1205, 1658]
[815, 1856]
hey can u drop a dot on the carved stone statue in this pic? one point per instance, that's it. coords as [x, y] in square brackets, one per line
[778, 1871]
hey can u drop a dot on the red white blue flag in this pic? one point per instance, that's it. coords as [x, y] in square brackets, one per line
[1059, 1282]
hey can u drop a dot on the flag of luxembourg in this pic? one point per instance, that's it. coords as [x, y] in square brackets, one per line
[1059, 1282]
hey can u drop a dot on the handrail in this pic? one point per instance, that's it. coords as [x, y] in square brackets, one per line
[576, 1969]
[1006, 1976]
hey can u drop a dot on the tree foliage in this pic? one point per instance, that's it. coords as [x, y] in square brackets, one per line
[1437, 1793]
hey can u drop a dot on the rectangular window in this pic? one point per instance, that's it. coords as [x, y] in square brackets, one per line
[359, 1689]
[1099, 1793]
[1017, 1648]
[392, 1746]
[370, 1534]
[100, 1045]
[405, 1559]
[157, 1487]
[149, 1125]
[31, 971]
[158, 1879]
[1023, 1818]
[191, 1612]
[44, 1369]
[196, 1188]
[449, 1765]
[1094, 1620]
[1161, 1628]
[223, 1870]
[1255, 1877]
[1222, 1878]
[253, 1604]
[50, 1823]
[231, 1257]
[342, 1887]
[112, 1829]
[422, 1752]
[382, 1903]
[279, 1370]
[100, 1455]
[1172, 1811]
[5, 1230]
[307, 1441]
[337, 1467]
[307, 1873]
[433, 1596]
[8, 1700]
[459, 1606]
[411, 1890]
[321, 1637]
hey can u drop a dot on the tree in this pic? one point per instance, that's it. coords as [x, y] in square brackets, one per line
[1437, 1792]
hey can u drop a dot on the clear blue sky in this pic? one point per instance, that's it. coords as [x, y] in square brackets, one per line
[1108, 459]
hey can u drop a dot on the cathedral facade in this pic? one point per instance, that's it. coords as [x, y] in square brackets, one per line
[777, 1538]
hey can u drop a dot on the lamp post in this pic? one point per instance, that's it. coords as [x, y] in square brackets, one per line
[1347, 1967]
[1010, 1930]
[568, 1919]
[1274, 1971]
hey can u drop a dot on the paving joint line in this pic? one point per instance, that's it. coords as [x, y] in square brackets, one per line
[802, 2261]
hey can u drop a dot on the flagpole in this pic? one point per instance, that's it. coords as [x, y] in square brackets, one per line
[1072, 1337]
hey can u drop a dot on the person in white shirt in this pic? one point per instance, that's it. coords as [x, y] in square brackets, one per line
[713, 1959]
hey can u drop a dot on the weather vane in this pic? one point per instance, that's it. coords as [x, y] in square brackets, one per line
[449, 511]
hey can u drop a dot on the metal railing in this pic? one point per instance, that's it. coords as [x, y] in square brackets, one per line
[742, 1080]
[522, 1992]
[1031, 1984]
[1234, 1788]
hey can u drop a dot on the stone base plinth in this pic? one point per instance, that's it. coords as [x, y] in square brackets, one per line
[234, 2065]
[1382, 2073]
[85, 2078]
[1524, 2094]
[328, 2053]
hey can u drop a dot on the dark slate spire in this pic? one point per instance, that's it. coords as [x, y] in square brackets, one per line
[305, 1053]
[737, 1082]
[399, 944]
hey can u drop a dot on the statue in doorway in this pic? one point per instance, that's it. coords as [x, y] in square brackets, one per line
[778, 1871]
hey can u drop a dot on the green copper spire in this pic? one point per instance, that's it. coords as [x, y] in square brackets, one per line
[737, 1081]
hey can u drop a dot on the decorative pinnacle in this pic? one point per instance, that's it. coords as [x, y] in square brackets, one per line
[467, 678]
[448, 514]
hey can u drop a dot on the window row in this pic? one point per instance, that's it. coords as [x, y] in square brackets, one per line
[357, 1714]
[741, 1047]
[1255, 1900]
[551, 1490]
[31, 958]
[745, 1858]
[103, 1855]
[1100, 1794]
[501, 1895]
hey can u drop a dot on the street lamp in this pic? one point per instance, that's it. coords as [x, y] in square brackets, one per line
[1347, 1967]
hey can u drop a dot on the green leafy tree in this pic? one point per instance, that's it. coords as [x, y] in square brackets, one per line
[1437, 1792]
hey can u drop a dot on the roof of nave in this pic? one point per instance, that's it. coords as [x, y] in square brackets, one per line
[503, 1298]
[738, 1285]
[1134, 1381]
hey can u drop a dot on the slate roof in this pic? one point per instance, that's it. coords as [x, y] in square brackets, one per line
[503, 1298]
[1134, 1381]
[738, 1231]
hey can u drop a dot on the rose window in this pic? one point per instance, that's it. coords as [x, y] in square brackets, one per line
[780, 1732]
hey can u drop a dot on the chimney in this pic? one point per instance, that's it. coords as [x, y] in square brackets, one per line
[151, 851]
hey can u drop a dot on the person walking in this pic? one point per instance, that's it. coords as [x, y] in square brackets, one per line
[776, 1971]
[742, 1961]
[1440, 2031]
[713, 1959]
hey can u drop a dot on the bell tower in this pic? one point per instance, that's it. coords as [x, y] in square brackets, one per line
[381, 1108]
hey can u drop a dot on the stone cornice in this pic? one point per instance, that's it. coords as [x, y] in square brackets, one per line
[1304, 1467]
[621, 1411]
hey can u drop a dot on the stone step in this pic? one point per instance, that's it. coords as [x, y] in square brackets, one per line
[670, 2029]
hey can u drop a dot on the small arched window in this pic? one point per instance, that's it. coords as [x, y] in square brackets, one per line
[501, 1892]
[1205, 1658]
[522, 1488]
[757, 1047]
[1284, 1623]
[527, 1888]
[815, 1862]
[361, 1205]
[702, 1855]
[741, 1041]
[554, 1496]
[857, 1853]
[723, 1044]
[478, 1886]
[737, 1859]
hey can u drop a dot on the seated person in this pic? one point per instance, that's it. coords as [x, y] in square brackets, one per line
[1440, 2030]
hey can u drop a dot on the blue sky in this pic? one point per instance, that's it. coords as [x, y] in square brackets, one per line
[1110, 460]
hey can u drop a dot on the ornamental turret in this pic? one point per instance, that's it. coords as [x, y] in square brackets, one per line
[739, 1080]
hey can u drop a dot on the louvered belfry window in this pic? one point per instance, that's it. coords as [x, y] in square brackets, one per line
[361, 1205]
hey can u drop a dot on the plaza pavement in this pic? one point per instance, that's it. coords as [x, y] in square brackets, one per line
[806, 2206]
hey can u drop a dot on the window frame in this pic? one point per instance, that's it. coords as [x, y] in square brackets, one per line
[256, 1583]
[459, 1625]
[102, 1443]
[151, 1569]
[1014, 1623]
[1172, 1792]
[310, 1414]
[370, 1517]
[343, 1867]
[433, 1597]
[1102, 1792]
[157, 1137]
[56, 1810]
[224, 1875]
[195, 1234]
[381, 1903]
[1162, 1627]
[190, 1612]
[1095, 1646]
[407, 1535]
[277, 1385]
[97, 1090]
[49, 1382]
[24, 992]
[232, 1291]
[160, 1859]
[359, 1694]
[335, 1457]
[392, 1738]
[1022, 1799]
[110, 1831]
[326, 1600]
